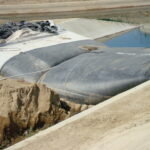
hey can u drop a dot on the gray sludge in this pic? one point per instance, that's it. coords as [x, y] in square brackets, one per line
[95, 76]
[32, 65]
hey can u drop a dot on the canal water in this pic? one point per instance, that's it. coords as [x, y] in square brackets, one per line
[133, 38]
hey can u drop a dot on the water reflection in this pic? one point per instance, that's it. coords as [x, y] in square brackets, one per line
[134, 38]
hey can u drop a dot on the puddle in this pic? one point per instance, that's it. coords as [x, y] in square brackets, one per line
[133, 38]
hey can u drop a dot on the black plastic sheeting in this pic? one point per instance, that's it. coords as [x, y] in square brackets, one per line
[32, 65]
[82, 76]
[9, 28]
[93, 77]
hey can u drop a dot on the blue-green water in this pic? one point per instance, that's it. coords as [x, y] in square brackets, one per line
[133, 38]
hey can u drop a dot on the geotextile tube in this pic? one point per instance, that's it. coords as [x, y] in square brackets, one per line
[83, 76]
[95, 76]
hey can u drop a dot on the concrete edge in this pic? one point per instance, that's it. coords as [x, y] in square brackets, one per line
[76, 117]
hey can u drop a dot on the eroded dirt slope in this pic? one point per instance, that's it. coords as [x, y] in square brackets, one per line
[26, 107]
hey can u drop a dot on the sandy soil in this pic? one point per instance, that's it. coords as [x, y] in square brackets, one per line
[138, 14]
[69, 6]
[6, 2]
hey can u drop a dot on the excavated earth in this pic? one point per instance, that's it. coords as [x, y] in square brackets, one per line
[26, 108]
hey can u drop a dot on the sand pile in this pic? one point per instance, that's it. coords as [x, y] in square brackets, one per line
[26, 107]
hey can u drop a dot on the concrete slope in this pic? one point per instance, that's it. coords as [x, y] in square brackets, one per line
[134, 138]
[121, 122]
[93, 28]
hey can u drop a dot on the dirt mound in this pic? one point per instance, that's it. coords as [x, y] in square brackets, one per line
[25, 107]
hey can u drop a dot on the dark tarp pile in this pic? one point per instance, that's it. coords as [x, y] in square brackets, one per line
[80, 75]
[9, 28]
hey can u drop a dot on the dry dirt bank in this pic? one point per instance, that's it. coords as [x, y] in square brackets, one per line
[140, 14]
[129, 10]
[6, 2]
[25, 108]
